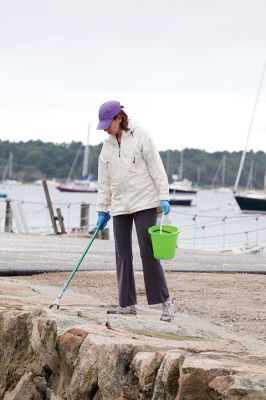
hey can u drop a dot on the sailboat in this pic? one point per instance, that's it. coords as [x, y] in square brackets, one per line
[7, 177]
[181, 191]
[84, 185]
[251, 201]
[221, 168]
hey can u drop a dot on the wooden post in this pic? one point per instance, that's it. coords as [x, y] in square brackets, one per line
[60, 220]
[104, 234]
[8, 217]
[84, 217]
[50, 207]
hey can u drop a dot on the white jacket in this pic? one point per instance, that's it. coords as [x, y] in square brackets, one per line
[131, 177]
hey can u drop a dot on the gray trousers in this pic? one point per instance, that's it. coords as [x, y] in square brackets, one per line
[154, 279]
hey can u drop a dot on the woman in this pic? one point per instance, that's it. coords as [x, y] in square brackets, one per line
[132, 183]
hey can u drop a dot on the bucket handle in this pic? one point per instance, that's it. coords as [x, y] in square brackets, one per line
[161, 225]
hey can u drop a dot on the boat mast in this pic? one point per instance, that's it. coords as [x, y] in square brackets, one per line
[216, 174]
[223, 170]
[8, 171]
[73, 165]
[250, 177]
[198, 176]
[250, 128]
[5, 172]
[86, 156]
[181, 167]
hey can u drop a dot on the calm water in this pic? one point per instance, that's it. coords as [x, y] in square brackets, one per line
[215, 222]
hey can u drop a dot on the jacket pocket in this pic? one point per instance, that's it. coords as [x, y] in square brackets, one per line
[137, 156]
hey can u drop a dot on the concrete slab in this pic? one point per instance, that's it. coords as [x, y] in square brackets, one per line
[27, 254]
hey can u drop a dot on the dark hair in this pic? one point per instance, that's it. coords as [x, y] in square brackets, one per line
[124, 122]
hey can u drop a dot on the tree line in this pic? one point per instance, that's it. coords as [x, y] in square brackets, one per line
[35, 160]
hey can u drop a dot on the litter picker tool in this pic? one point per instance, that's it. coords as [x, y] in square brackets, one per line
[62, 291]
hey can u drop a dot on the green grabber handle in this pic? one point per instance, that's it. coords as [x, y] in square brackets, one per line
[62, 291]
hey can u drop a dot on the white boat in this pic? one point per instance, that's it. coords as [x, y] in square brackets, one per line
[84, 185]
[181, 191]
[182, 186]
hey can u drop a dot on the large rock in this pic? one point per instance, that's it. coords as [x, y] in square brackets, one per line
[91, 362]
[15, 350]
[167, 379]
[215, 376]
[101, 367]
[145, 366]
[26, 389]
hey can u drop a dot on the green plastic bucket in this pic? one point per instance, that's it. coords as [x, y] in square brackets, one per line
[163, 238]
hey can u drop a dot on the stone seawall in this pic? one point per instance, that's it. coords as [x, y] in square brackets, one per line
[40, 360]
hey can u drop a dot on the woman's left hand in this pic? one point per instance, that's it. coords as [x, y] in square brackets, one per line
[165, 206]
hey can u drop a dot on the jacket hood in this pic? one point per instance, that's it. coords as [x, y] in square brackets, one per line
[132, 125]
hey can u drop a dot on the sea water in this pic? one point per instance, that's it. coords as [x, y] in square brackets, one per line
[213, 222]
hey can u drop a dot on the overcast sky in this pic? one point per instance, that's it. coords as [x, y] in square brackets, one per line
[187, 70]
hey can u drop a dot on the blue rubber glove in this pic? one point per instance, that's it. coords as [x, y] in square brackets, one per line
[103, 218]
[165, 206]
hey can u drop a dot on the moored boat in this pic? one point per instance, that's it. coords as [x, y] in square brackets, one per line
[182, 186]
[251, 202]
[79, 186]
[84, 185]
[181, 192]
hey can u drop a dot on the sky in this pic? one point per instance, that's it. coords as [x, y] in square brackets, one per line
[186, 70]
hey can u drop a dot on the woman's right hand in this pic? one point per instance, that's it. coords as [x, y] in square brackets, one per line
[103, 218]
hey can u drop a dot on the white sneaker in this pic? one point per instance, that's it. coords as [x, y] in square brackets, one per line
[123, 310]
[168, 311]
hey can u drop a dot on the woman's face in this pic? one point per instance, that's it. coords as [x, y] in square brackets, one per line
[114, 128]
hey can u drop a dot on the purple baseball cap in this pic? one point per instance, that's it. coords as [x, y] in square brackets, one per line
[107, 112]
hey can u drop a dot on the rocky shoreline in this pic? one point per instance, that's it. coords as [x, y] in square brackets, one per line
[214, 349]
[92, 361]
